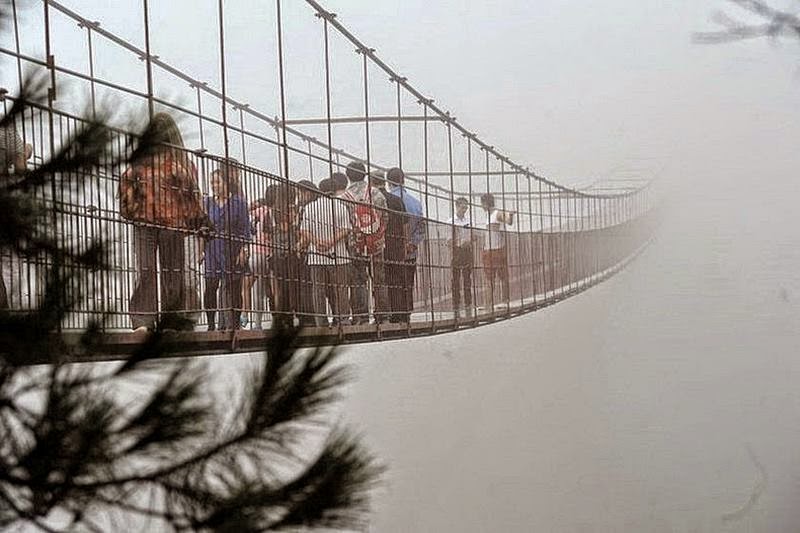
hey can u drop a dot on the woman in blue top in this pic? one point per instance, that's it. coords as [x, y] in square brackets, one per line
[225, 251]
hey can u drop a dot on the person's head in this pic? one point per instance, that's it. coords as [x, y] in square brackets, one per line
[281, 198]
[230, 167]
[396, 176]
[328, 187]
[376, 179]
[487, 201]
[339, 181]
[356, 171]
[462, 204]
[164, 129]
[165, 137]
[219, 185]
[228, 173]
[307, 192]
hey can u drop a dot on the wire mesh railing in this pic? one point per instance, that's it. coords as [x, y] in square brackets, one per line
[232, 238]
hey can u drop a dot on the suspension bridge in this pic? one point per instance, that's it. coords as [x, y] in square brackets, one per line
[355, 107]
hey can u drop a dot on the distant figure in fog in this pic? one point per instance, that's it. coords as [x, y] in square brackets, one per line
[159, 194]
[367, 207]
[416, 234]
[462, 257]
[324, 233]
[495, 254]
[225, 253]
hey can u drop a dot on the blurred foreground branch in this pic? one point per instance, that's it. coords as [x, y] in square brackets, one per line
[763, 20]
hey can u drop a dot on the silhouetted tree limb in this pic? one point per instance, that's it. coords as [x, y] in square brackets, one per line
[83, 447]
[769, 22]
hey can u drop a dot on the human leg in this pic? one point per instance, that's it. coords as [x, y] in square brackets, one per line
[143, 304]
[232, 300]
[172, 255]
[379, 290]
[319, 289]
[339, 299]
[210, 301]
[358, 290]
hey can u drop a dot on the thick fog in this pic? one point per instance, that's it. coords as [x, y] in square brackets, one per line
[665, 399]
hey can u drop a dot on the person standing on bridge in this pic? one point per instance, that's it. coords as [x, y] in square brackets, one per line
[495, 258]
[284, 263]
[159, 194]
[225, 254]
[307, 193]
[323, 233]
[259, 279]
[395, 252]
[416, 234]
[14, 152]
[367, 208]
[462, 257]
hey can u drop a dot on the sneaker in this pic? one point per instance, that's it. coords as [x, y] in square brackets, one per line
[141, 329]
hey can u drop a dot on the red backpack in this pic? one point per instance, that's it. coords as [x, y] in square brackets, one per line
[369, 227]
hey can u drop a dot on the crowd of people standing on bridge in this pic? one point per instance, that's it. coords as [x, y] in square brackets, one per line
[340, 252]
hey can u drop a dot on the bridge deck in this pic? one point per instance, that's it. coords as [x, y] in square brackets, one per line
[118, 345]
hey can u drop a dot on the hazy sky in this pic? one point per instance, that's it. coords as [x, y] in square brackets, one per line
[579, 90]
[632, 406]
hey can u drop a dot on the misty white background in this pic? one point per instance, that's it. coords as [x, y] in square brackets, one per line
[630, 407]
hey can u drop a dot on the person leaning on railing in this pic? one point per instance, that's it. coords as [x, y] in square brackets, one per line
[14, 153]
[159, 195]
[323, 234]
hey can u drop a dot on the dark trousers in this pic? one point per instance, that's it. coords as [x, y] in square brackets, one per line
[286, 271]
[143, 305]
[495, 265]
[305, 298]
[3, 293]
[361, 269]
[230, 303]
[409, 274]
[462, 275]
[394, 267]
[330, 288]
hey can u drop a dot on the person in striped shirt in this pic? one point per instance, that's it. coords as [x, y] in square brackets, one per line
[13, 149]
